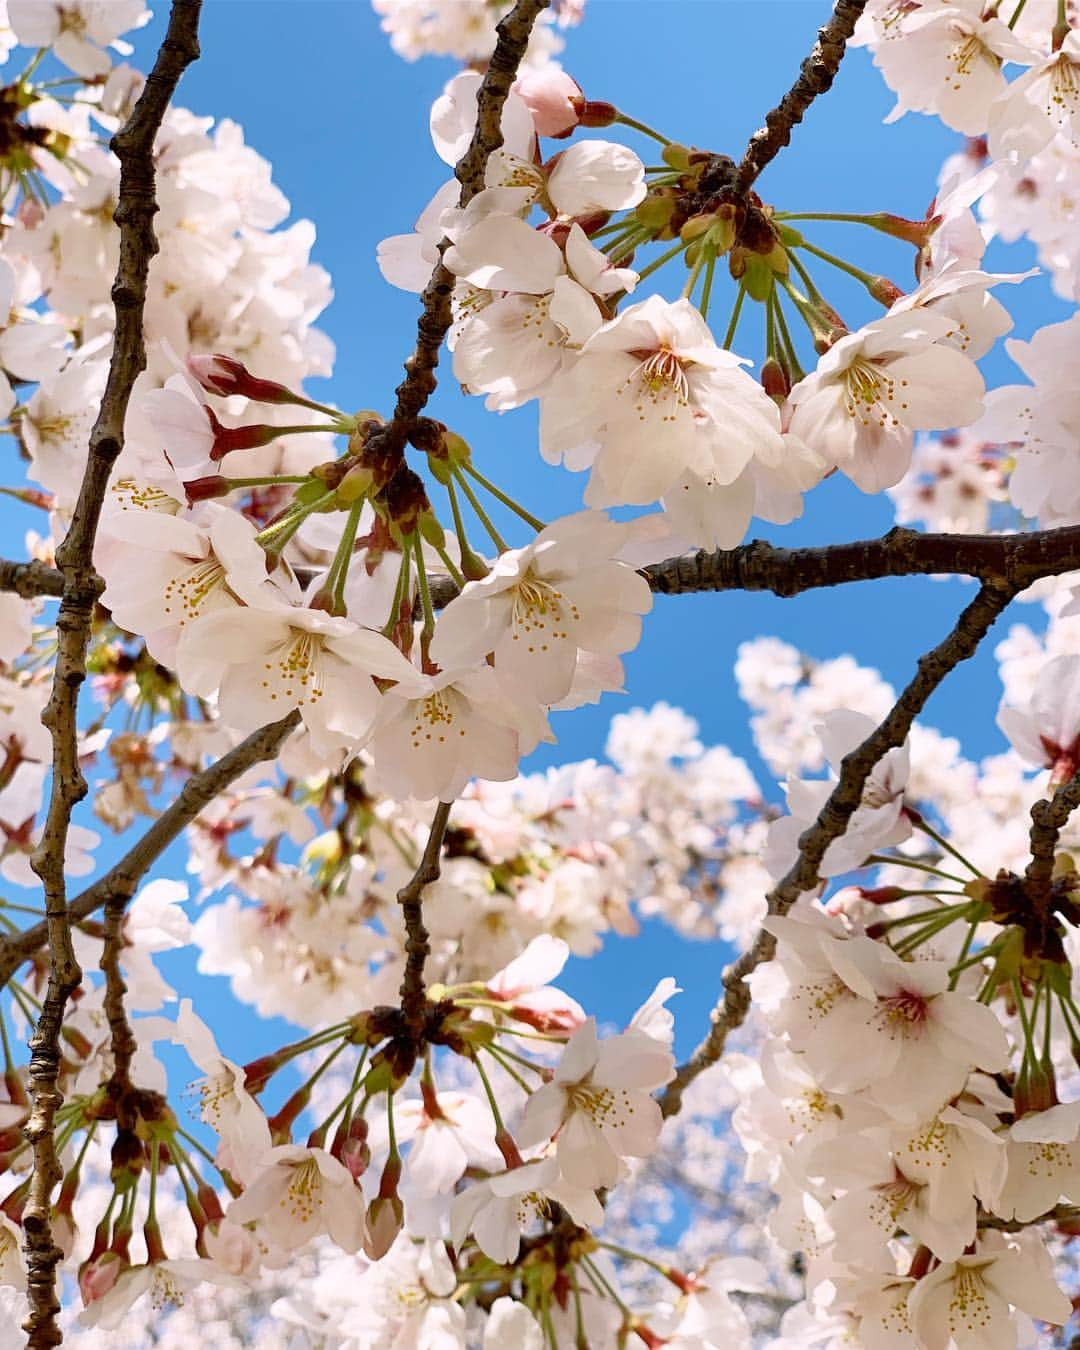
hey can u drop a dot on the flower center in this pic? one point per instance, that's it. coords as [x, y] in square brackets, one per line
[132, 495]
[659, 379]
[605, 1107]
[868, 389]
[296, 675]
[433, 719]
[540, 614]
[303, 1196]
[965, 57]
[188, 591]
[968, 1307]
[904, 1010]
[1063, 94]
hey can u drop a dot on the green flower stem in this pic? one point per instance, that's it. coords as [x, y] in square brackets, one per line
[673, 252]
[924, 915]
[706, 289]
[506, 500]
[1018, 999]
[941, 920]
[481, 514]
[5, 1044]
[507, 1068]
[451, 566]
[894, 860]
[339, 568]
[346, 1102]
[471, 562]
[733, 322]
[963, 960]
[920, 822]
[770, 327]
[695, 272]
[274, 537]
[794, 366]
[643, 127]
[428, 630]
[833, 261]
[190, 1139]
[401, 590]
[808, 310]
[500, 1128]
[1016, 13]
[620, 249]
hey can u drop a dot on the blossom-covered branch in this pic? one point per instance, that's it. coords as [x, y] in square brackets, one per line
[855, 770]
[134, 147]
[122, 879]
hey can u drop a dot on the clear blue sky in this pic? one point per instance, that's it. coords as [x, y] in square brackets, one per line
[344, 122]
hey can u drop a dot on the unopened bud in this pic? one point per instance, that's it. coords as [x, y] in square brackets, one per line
[1035, 1088]
[774, 380]
[676, 156]
[886, 292]
[223, 375]
[206, 488]
[227, 439]
[593, 112]
[385, 1220]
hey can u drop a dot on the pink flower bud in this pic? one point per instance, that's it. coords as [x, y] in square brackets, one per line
[98, 1276]
[223, 375]
[550, 95]
[227, 439]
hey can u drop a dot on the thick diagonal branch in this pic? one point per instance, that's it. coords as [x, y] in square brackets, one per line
[855, 768]
[134, 147]
[417, 945]
[1048, 818]
[123, 878]
[816, 75]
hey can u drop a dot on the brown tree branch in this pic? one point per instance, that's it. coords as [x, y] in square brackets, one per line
[1048, 818]
[417, 945]
[1014, 559]
[816, 75]
[855, 768]
[30, 579]
[436, 317]
[1017, 560]
[134, 147]
[123, 878]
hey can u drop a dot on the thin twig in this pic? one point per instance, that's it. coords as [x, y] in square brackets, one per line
[816, 75]
[417, 945]
[1048, 819]
[30, 579]
[855, 768]
[133, 145]
[436, 317]
[122, 879]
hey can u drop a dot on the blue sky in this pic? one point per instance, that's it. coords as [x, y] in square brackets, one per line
[344, 123]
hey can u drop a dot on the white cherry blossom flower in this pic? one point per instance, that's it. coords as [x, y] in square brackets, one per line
[435, 732]
[540, 605]
[966, 1303]
[651, 398]
[1040, 104]
[598, 1104]
[874, 388]
[1046, 734]
[947, 60]
[878, 822]
[167, 1282]
[298, 1193]
[497, 1211]
[513, 347]
[264, 662]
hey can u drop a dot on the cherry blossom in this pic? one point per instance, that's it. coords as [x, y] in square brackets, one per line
[650, 398]
[598, 1104]
[297, 1193]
